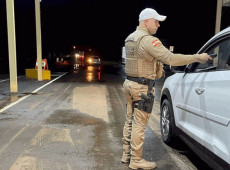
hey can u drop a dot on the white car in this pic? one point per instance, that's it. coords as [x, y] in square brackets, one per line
[195, 104]
[93, 60]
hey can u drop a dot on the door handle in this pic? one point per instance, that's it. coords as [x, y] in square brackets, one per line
[199, 90]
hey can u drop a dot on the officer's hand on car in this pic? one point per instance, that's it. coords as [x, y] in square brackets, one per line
[204, 57]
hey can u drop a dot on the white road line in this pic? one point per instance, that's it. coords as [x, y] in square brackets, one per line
[120, 101]
[12, 139]
[9, 79]
[14, 103]
[48, 83]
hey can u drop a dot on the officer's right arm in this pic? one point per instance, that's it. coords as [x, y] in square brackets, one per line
[181, 59]
[159, 52]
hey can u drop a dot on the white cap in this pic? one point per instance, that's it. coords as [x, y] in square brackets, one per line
[149, 13]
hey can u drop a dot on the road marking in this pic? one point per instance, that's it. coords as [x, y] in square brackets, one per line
[91, 100]
[48, 83]
[109, 105]
[25, 162]
[12, 139]
[119, 99]
[9, 79]
[14, 103]
[51, 135]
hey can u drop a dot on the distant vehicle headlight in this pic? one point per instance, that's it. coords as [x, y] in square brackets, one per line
[90, 60]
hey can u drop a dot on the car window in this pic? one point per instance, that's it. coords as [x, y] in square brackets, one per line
[227, 65]
[222, 61]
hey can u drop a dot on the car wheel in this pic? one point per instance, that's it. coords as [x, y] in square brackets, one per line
[167, 121]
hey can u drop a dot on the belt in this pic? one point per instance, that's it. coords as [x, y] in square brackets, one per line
[139, 80]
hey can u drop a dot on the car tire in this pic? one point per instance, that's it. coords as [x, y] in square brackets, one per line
[167, 122]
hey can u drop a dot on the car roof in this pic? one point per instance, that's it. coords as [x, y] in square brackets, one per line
[225, 31]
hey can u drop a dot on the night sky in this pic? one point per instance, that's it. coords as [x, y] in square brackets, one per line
[103, 25]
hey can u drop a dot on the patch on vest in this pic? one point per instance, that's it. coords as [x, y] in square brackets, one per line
[156, 43]
[129, 50]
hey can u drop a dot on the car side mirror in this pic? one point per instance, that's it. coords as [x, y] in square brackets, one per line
[178, 69]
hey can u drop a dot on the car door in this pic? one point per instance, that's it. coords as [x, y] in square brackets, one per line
[190, 115]
[216, 109]
[206, 97]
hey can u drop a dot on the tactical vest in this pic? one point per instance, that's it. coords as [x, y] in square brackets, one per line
[136, 63]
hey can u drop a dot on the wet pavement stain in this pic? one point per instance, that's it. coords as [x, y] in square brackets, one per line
[71, 117]
[103, 150]
[6, 118]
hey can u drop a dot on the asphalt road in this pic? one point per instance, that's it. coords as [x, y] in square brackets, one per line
[76, 123]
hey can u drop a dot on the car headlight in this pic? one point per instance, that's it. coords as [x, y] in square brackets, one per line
[76, 55]
[90, 60]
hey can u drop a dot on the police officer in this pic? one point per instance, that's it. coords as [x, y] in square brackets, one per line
[144, 57]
